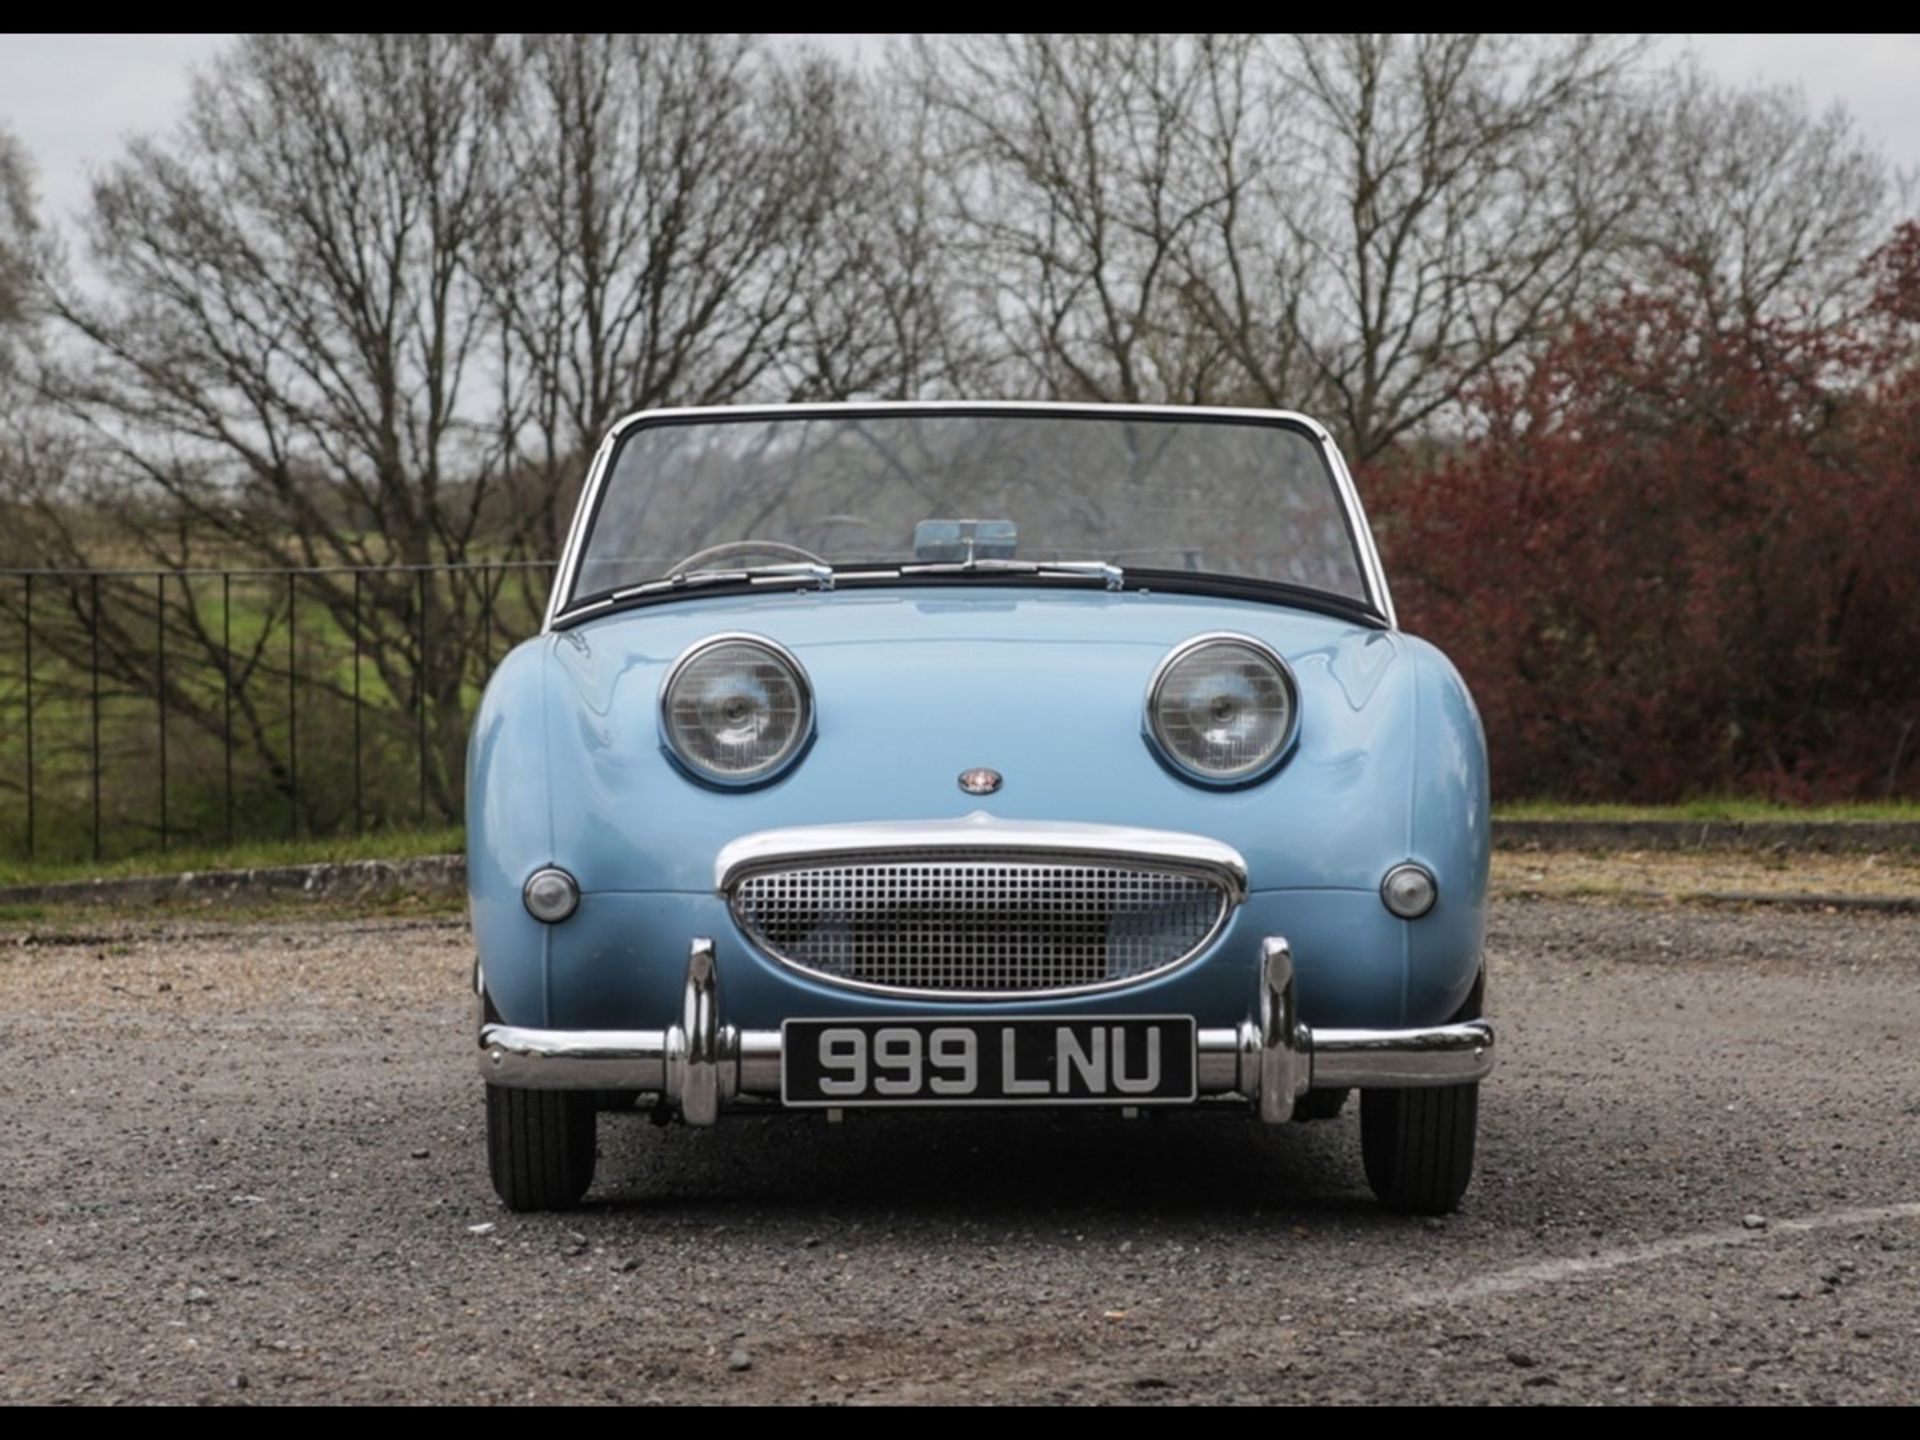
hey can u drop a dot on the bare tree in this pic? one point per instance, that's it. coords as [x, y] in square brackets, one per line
[21, 438]
[380, 297]
[669, 211]
[17, 230]
[1077, 169]
[1355, 224]
[1760, 202]
[884, 317]
[1427, 205]
[288, 361]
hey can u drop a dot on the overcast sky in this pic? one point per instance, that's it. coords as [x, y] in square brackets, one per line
[73, 99]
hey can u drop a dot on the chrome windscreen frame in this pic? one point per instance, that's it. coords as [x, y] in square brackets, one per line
[1373, 574]
[983, 836]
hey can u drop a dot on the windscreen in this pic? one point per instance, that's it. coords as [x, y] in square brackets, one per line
[1214, 496]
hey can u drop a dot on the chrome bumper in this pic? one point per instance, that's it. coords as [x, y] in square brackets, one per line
[701, 1064]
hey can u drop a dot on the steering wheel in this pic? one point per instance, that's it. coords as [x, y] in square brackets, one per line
[734, 549]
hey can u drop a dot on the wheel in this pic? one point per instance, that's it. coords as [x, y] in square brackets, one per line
[1417, 1146]
[1320, 1104]
[540, 1146]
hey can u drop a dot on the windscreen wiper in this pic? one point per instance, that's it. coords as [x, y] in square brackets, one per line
[784, 573]
[822, 577]
[1112, 576]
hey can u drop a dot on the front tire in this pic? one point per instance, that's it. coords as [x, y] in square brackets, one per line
[1417, 1146]
[540, 1146]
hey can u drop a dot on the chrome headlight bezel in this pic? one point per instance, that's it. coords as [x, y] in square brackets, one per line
[1169, 754]
[772, 770]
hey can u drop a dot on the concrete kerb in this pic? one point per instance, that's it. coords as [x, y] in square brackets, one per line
[430, 875]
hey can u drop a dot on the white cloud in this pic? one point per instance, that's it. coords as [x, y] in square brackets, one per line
[1876, 76]
[74, 100]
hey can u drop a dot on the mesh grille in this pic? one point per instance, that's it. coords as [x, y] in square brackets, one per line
[979, 924]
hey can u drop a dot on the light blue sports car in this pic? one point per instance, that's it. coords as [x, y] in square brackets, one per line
[985, 754]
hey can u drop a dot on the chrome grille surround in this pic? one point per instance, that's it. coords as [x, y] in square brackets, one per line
[981, 908]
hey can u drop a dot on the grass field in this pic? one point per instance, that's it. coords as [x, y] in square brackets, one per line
[304, 756]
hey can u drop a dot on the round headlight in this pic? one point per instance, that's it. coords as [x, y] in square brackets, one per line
[1222, 709]
[736, 709]
[1409, 890]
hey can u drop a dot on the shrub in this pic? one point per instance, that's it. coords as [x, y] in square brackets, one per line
[1675, 557]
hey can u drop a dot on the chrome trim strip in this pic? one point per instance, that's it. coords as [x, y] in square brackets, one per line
[570, 551]
[1403, 1059]
[824, 844]
[701, 1066]
[529, 1059]
[803, 738]
[1225, 1056]
[1152, 712]
[759, 1070]
[1372, 573]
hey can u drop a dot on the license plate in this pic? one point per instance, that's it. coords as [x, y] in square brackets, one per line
[1124, 1060]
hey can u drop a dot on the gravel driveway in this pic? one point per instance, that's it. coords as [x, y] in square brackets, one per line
[246, 1164]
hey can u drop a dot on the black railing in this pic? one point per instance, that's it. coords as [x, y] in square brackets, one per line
[141, 709]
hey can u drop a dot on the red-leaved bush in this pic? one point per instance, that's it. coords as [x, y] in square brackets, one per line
[1676, 558]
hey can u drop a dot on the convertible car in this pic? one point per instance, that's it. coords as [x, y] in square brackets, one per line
[1013, 755]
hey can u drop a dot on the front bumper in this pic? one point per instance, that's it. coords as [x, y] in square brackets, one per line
[701, 1065]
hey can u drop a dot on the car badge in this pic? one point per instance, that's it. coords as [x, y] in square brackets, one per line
[980, 780]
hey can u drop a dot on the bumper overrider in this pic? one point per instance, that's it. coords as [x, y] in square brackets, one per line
[701, 1065]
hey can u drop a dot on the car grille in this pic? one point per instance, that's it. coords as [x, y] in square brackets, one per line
[980, 924]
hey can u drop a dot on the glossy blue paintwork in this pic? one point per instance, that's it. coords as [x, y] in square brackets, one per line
[1046, 685]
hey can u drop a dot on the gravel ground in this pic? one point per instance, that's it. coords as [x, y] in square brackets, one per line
[246, 1164]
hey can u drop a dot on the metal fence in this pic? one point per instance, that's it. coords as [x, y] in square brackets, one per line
[143, 709]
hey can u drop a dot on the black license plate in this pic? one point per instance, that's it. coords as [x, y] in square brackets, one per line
[1122, 1060]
